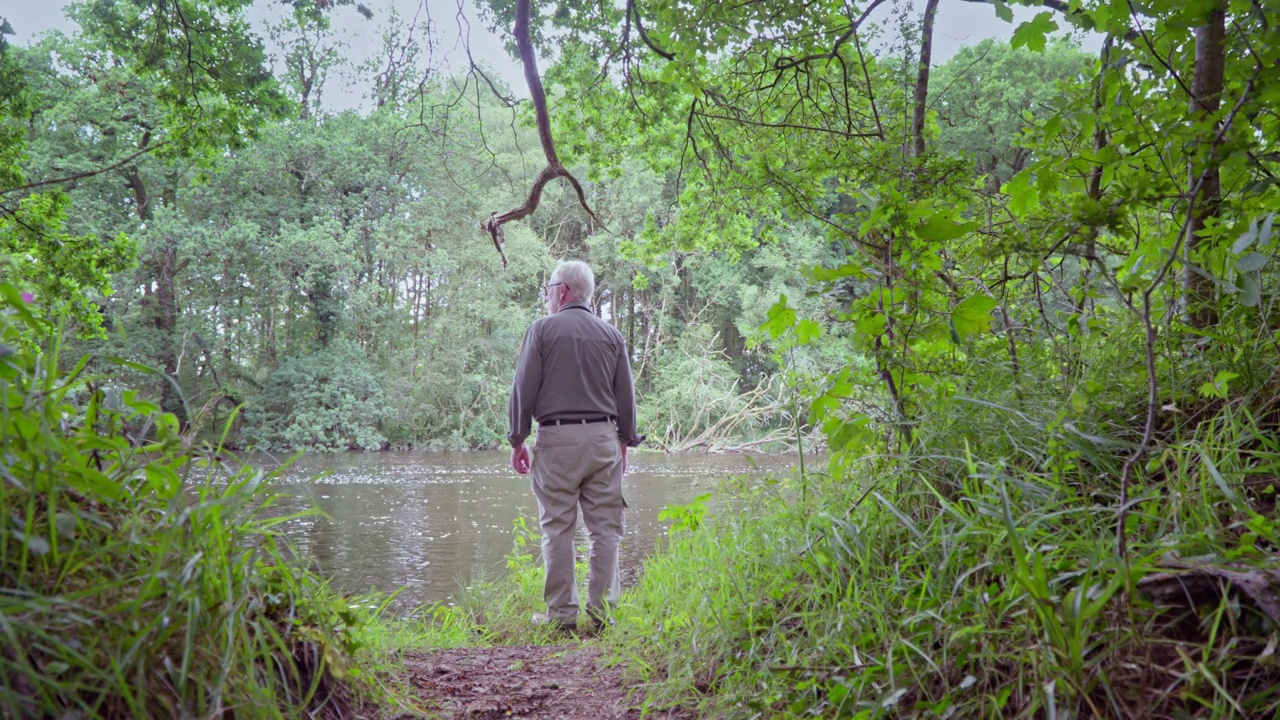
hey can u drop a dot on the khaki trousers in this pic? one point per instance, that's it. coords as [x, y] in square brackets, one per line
[579, 465]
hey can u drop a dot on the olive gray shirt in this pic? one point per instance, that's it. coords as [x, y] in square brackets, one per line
[573, 365]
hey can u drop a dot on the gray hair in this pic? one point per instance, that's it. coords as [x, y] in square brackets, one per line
[577, 276]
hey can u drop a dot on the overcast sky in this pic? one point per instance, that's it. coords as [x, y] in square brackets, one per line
[958, 23]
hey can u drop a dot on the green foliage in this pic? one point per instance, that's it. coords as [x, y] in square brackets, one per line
[142, 579]
[15, 106]
[206, 67]
[68, 276]
[1001, 341]
[987, 94]
[331, 399]
[686, 518]
[978, 589]
[1032, 33]
[1027, 412]
[972, 316]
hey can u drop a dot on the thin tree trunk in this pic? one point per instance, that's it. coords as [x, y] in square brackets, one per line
[922, 76]
[1100, 141]
[1206, 96]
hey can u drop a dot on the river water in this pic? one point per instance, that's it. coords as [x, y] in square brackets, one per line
[435, 522]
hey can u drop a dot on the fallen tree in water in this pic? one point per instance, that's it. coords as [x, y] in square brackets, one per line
[757, 419]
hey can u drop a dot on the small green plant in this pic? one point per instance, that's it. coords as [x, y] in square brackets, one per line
[686, 518]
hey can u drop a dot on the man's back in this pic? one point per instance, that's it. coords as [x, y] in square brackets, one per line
[573, 365]
[580, 356]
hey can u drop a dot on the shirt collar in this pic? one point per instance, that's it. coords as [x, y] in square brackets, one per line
[582, 305]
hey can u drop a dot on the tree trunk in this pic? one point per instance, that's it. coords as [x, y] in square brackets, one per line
[161, 297]
[1206, 97]
[922, 76]
[163, 307]
[631, 322]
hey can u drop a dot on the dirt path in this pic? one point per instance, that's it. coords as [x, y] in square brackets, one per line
[559, 682]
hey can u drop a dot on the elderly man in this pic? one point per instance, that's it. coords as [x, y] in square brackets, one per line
[574, 378]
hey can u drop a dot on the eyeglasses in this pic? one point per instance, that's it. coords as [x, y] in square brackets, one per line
[548, 286]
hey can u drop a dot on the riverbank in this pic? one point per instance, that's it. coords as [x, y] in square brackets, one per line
[977, 589]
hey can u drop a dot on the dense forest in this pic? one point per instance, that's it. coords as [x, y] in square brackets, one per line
[1024, 299]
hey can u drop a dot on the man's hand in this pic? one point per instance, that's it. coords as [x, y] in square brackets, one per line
[624, 457]
[520, 459]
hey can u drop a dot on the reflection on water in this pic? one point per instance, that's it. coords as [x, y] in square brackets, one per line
[429, 521]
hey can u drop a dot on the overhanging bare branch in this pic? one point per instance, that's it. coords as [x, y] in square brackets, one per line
[554, 169]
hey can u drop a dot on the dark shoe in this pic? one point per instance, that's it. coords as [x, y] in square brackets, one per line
[559, 626]
[598, 622]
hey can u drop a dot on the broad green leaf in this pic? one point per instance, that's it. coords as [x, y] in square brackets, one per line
[886, 297]
[1220, 386]
[1003, 11]
[851, 434]
[91, 482]
[780, 319]
[931, 261]
[1252, 261]
[1250, 290]
[824, 274]
[807, 331]
[940, 228]
[1224, 377]
[1032, 33]
[1264, 234]
[1079, 401]
[973, 315]
[822, 406]
[162, 479]
[873, 325]
[1245, 241]
[1023, 196]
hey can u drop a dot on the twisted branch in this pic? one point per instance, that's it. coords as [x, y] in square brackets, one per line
[554, 169]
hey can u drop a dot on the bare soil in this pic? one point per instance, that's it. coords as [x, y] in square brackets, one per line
[548, 682]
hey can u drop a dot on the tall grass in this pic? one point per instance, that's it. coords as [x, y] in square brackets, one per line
[943, 585]
[139, 577]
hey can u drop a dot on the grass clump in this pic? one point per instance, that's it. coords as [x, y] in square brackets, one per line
[139, 576]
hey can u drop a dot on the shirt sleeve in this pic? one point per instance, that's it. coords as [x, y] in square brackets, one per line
[625, 399]
[524, 389]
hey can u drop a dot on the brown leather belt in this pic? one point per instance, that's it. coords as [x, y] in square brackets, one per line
[576, 421]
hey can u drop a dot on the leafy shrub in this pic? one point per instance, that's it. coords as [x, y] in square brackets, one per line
[331, 399]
